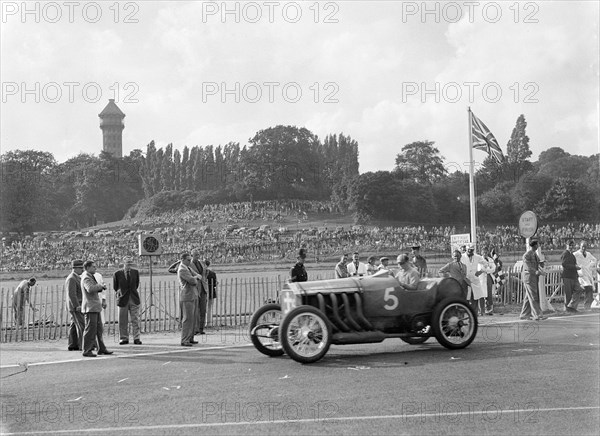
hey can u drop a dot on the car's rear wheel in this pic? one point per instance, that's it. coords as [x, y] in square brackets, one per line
[305, 334]
[454, 323]
[264, 330]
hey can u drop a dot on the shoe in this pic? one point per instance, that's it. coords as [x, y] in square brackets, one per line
[489, 313]
[525, 318]
[572, 310]
[201, 333]
[106, 352]
[186, 344]
[193, 342]
[137, 342]
[74, 349]
[89, 354]
[123, 342]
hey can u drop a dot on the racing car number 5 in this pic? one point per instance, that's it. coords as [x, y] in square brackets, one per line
[390, 299]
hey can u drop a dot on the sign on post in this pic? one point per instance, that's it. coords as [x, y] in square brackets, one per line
[528, 224]
[457, 241]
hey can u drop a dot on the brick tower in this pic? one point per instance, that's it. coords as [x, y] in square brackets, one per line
[111, 123]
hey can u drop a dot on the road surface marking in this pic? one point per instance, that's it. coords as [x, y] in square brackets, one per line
[124, 356]
[291, 421]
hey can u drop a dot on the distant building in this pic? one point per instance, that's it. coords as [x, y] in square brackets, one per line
[111, 123]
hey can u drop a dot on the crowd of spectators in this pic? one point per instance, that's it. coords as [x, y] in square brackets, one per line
[224, 233]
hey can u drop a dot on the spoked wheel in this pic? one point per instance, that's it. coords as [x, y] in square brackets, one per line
[416, 340]
[454, 323]
[264, 330]
[305, 335]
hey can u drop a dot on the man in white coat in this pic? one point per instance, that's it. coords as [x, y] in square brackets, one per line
[475, 267]
[356, 268]
[587, 262]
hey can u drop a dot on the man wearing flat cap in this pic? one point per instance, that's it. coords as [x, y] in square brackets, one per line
[419, 261]
[125, 283]
[74, 298]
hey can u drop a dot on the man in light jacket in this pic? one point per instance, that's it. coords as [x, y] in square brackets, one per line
[188, 299]
[91, 306]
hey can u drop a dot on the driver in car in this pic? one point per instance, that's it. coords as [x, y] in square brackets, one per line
[407, 276]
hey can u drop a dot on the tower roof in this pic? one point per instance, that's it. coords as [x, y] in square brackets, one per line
[111, 109]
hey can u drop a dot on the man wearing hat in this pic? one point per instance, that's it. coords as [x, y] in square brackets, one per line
[408, 276]
[74, 298]
[298, 272]
[419, 261]
[125, 283]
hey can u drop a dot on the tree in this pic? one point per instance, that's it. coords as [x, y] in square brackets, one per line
[518, 152]
[420, 161]
[26, 195]
[567, 200]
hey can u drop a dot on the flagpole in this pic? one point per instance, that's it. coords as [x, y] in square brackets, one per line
[472, 181]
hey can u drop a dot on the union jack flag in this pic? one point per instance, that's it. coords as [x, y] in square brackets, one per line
[484, 140]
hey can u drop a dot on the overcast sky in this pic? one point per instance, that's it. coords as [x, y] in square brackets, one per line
[367, 69]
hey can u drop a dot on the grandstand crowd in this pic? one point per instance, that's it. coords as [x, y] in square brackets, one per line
[235, 241]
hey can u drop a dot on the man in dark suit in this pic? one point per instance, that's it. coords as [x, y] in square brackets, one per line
[126, 282]
[91, 307]
[199, 268]
[188, 299]
[211, 279]
[74, 299]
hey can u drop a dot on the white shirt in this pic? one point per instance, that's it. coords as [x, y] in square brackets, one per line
[588, 267]
[360, 271]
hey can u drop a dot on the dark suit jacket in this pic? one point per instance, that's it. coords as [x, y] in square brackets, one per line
[211, 278]
[74, 296]
[126, 290]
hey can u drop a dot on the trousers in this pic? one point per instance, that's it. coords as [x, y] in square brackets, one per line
[127, 314]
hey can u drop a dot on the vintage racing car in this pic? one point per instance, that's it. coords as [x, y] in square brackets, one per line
[313, 315]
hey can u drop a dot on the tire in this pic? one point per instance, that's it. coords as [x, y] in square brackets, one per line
[264, 330]
[454, 323]
[305, 334]
[415, 340]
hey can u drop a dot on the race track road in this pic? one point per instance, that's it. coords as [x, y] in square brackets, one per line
[516, 378]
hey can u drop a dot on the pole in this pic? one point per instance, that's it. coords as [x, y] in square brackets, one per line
[151, 302]
[472, 182]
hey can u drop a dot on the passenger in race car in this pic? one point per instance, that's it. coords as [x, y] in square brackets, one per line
[407, 276]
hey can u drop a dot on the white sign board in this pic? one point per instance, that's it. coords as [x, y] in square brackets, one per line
[456, 241]
[150, 244]
[528, 224]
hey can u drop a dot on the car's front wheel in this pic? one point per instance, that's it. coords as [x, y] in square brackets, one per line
[305, 334]
[264, 330]
[454, 323]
